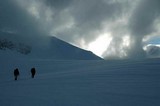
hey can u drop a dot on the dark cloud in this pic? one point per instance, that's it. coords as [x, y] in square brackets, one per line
[142, 23]
[12, 17]
[58, 4]
[81, 22]
[16, 23]
[89, 16]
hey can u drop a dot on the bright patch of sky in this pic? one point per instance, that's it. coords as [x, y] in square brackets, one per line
[100, 44]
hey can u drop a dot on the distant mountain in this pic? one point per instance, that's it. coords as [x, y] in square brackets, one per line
[153, 51]
[42, 47]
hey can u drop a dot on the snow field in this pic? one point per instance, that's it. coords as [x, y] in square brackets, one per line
[81, 83]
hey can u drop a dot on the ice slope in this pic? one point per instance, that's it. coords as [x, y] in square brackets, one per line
[81, 83]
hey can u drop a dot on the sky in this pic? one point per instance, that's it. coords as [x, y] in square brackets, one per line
[108, 28]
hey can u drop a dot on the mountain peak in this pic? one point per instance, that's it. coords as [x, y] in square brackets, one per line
[46, 47]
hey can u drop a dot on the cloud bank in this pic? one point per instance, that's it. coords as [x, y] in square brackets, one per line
[127, 25]
[17, 24]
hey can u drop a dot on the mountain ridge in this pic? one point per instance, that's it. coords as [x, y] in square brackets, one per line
[45, 47]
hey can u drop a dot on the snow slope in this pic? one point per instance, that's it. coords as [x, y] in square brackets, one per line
[81, 83]
[42, 46]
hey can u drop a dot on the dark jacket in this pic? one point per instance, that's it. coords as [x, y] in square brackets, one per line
[16, 72]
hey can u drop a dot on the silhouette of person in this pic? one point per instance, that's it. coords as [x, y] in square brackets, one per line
[16, 73]
[33, 72]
